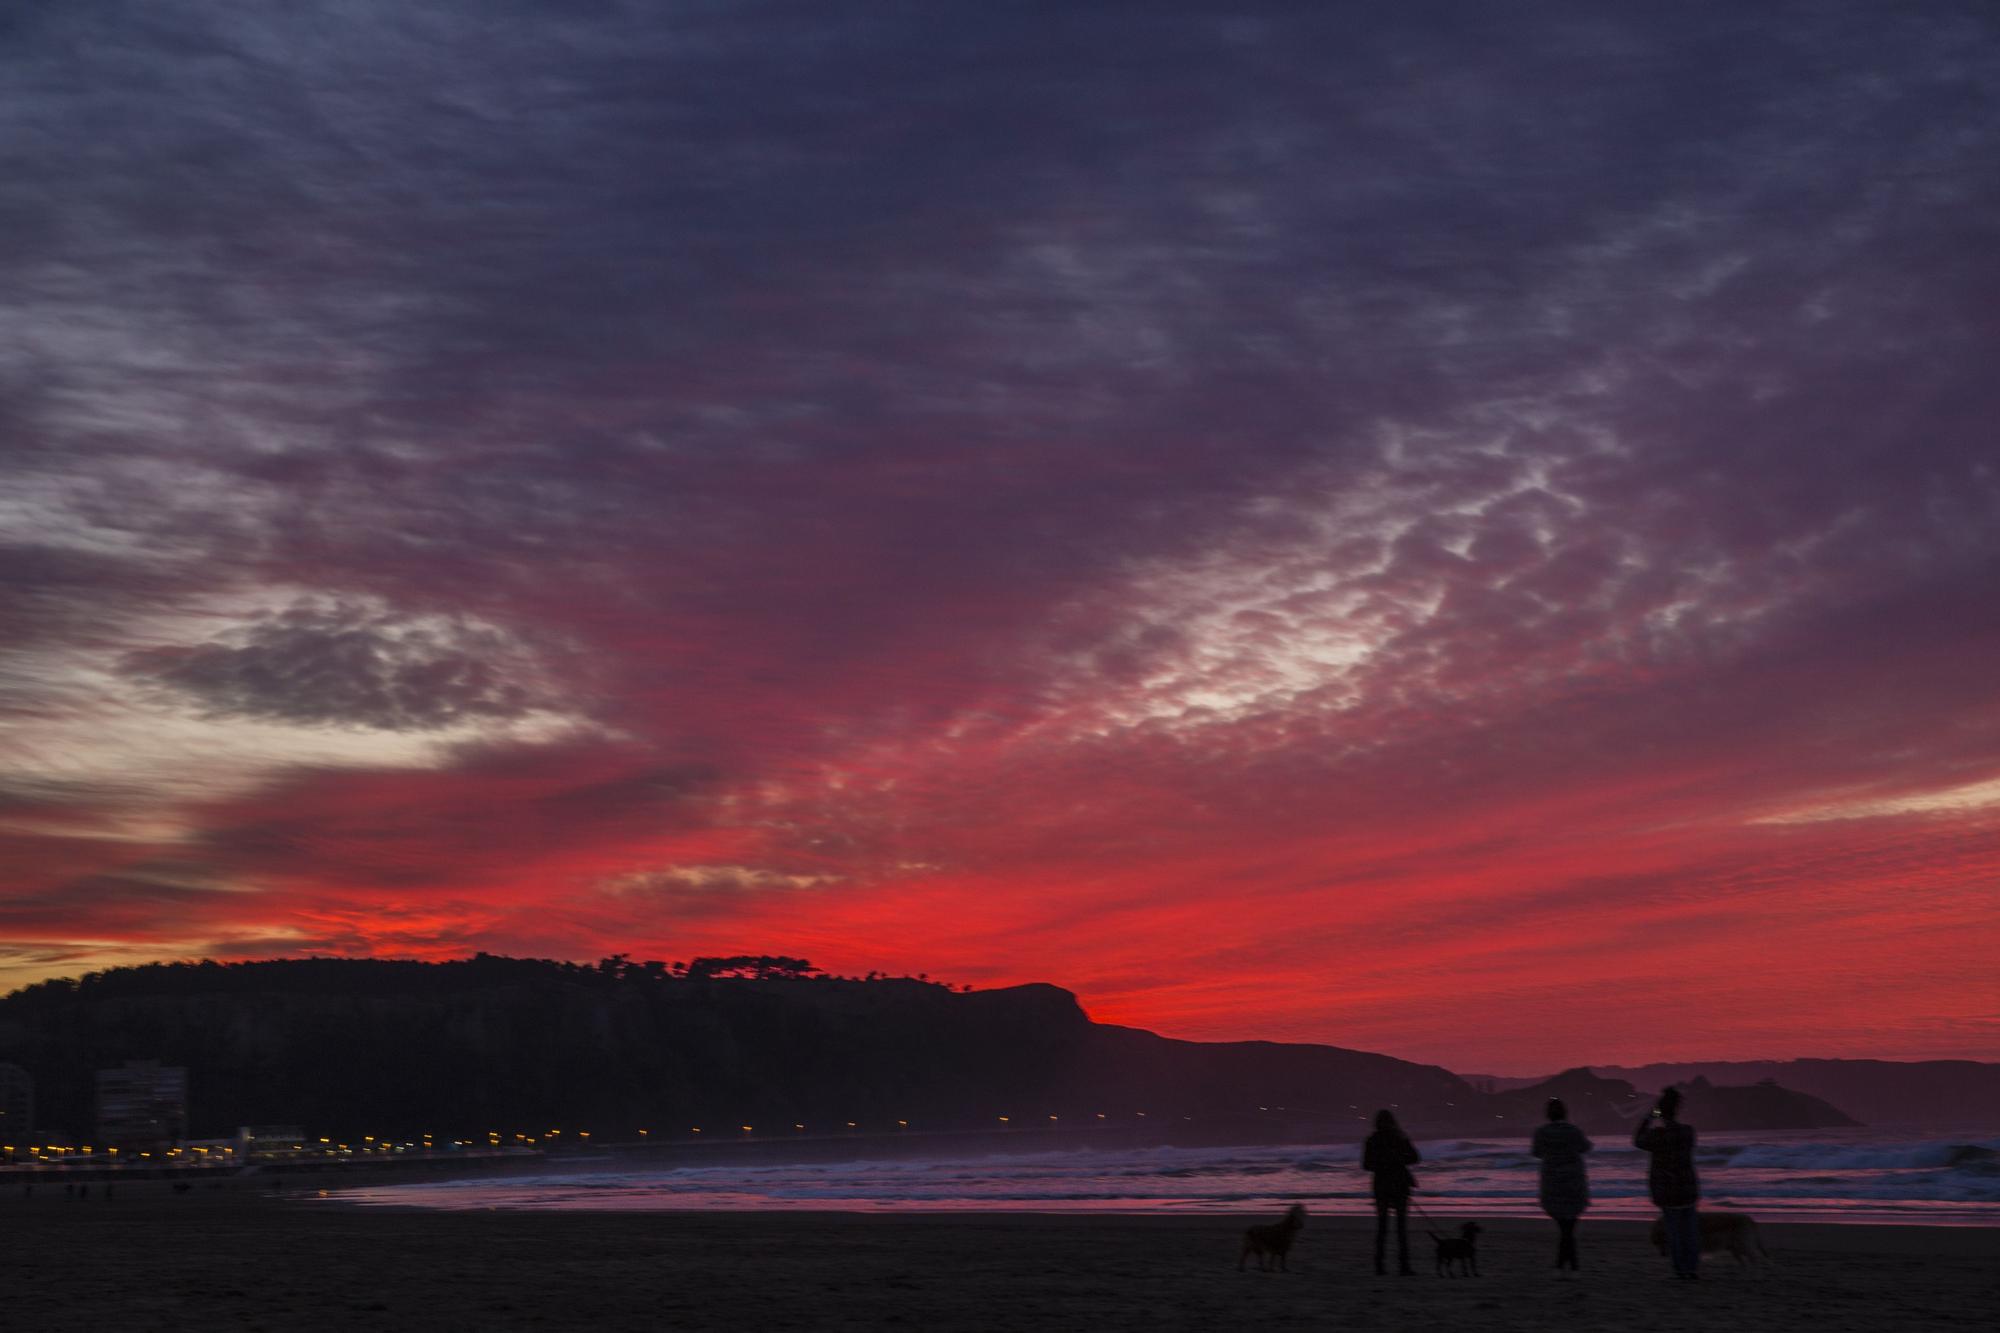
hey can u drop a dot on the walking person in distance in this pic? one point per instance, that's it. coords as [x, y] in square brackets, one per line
[1672, 1181]
[1388, 1156]
[1565, 1183]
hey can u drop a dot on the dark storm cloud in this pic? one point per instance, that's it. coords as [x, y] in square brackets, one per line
[342, 665]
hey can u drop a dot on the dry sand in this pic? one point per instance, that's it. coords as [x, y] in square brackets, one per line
[152, 1260]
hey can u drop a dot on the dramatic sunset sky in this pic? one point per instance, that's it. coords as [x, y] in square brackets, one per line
[1466, 530]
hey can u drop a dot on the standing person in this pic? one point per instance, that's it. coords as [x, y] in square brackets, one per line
[1565, 1183]
[1671, 1179]
[1388, 1155]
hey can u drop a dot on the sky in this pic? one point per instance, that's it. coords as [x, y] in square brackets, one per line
[1463, 530]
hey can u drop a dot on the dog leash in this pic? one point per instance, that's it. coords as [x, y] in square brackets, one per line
[1429, 1222]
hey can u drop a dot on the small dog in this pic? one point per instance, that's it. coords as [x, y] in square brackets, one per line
[1460, 1251]
[1272, 1242]
[1734, 1232]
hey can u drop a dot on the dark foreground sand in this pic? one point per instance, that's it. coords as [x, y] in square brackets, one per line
[151, 1260]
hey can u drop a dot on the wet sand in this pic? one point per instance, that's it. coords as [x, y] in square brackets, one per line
[221, 1260]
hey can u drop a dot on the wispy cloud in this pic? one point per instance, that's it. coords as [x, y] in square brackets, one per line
[1422, 508]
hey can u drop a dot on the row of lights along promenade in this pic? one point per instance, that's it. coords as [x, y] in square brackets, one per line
[227, 1156]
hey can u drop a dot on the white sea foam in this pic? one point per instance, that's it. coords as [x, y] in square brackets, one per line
[1860, 1177]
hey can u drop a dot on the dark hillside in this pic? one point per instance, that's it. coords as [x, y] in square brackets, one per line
[508, 1045]
[1609, 1105]
[1879, 1092]
[399, 1049]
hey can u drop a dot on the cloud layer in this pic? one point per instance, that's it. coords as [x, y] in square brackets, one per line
[1293, 521]
[343, 666]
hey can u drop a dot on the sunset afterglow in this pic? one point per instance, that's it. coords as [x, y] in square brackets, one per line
[1479, 541]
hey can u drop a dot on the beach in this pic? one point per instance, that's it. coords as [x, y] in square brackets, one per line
[238, 1259]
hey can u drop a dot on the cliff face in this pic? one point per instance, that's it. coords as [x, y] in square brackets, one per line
[351, 1047]
[397, 1049]
[521, 1050]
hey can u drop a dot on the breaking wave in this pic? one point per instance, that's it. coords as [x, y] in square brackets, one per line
[1858, 1178]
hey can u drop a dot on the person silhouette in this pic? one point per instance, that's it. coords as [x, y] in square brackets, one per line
[1671, 1179]
[1388, 1155]
[1565, 1183]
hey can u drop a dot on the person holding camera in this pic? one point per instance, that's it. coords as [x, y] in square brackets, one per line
[1671, 1180]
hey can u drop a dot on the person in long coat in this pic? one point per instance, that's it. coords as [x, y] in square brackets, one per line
[1565, 1182]
[1388, 1156]
[1671, 1180]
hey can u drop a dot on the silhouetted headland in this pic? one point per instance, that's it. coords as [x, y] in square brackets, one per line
[762, 1047]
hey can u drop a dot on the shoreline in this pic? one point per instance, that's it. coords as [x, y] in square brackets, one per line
[640, 1185]
[1444, 1214]
[335, 1194]
[732, 1177]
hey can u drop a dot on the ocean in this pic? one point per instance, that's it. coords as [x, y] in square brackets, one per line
[1872, 1176]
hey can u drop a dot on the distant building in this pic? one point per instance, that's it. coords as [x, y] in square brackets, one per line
[145, 1102]
[265, 1142]
[17, 1105]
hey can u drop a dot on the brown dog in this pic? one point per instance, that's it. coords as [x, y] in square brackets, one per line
[1272, 1242]
[1733, 1232]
